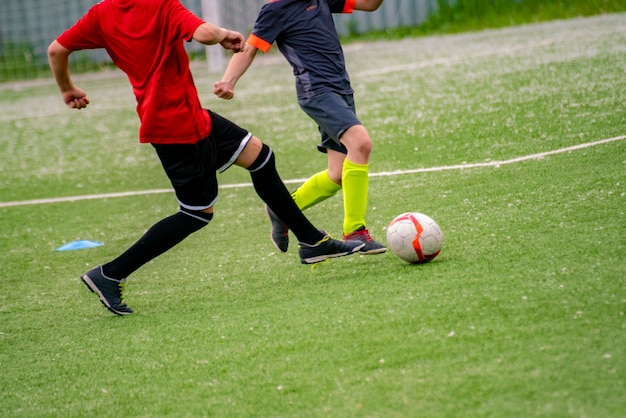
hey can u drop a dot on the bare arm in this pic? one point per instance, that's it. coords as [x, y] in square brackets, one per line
[367, 5]
[239, 63]
[58, 58]
[209, 34]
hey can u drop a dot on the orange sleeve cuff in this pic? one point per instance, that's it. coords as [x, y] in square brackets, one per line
[259, 43]
[349, 6]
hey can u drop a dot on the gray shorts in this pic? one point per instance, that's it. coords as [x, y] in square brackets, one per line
[334, 113]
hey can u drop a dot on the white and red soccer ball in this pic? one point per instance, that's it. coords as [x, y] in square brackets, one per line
[414, 237]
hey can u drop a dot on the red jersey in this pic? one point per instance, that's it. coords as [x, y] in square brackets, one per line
[145, 39]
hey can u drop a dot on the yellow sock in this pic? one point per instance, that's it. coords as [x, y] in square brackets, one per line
[316, 189]
[355, 181]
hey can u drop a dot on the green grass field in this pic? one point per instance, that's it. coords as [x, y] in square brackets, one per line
[514, 140]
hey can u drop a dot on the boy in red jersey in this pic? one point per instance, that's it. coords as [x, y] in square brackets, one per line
[144, 38]
[305, 33]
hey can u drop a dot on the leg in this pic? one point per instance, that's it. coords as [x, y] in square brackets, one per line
[354, 177]
[161, 237]
[259, 160]
[108, 280]
[315, 246]
[355, 182]
[349, 146]
[190, 168]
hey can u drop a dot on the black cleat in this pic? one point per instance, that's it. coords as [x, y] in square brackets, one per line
[110, 291]
[327, 248]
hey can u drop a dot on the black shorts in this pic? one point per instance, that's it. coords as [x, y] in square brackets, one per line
[192, 168]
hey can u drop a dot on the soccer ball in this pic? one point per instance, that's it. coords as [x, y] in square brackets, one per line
[414, 237]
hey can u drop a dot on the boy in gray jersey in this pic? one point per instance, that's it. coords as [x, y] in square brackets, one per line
[305, 33]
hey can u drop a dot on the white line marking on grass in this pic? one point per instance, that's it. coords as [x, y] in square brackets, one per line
[499, 163]
[380, 174]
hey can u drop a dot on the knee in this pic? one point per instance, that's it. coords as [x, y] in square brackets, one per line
[364, 146]
[357, 141]
[265, 158]
[197, 219]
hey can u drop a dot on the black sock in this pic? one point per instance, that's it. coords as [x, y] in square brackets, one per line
[272, 190]
[162, 236]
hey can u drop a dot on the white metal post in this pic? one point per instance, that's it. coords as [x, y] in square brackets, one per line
[214, 53]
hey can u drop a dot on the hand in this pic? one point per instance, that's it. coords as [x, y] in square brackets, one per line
[223, 90]
[75, 98]
[233, 41]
